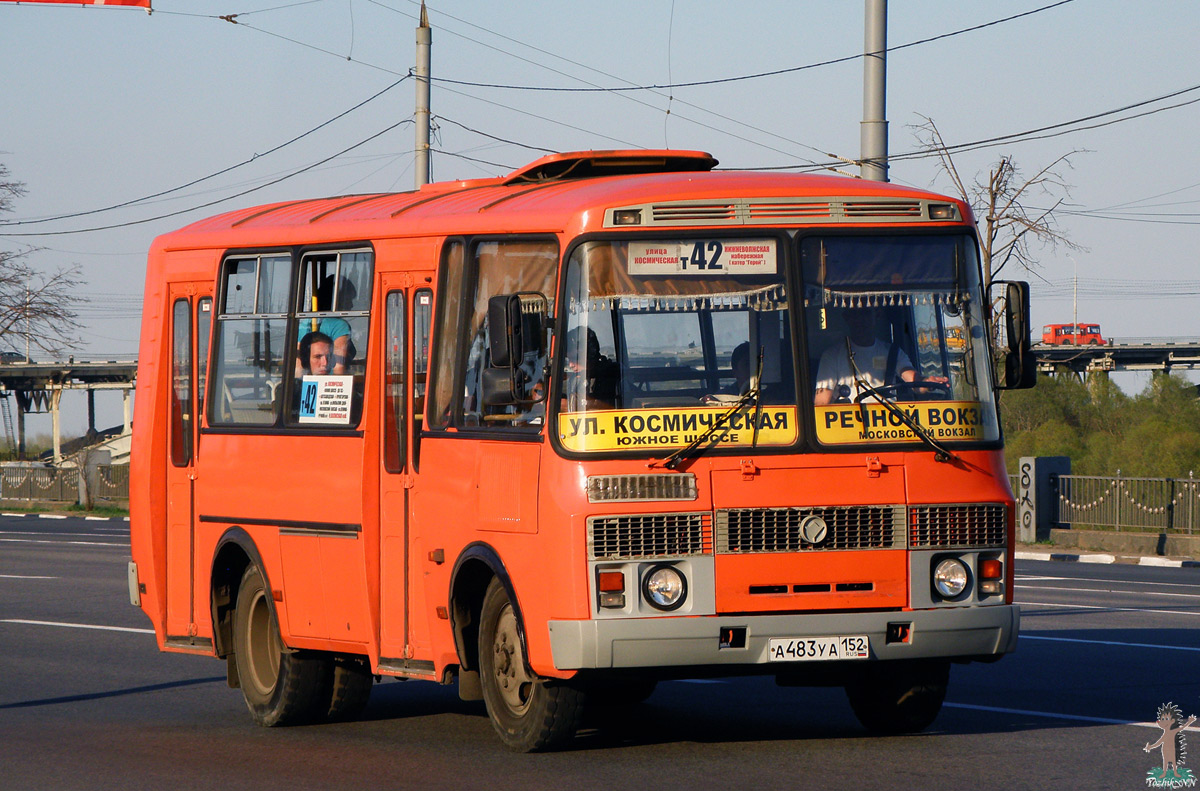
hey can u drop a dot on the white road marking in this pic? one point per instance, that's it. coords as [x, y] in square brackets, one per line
[77, 625]
[1020, 578]
[24, 577]
[1056, 716]
[1025, 636]
[60, 543]
[1103, 607]
[1113, 590]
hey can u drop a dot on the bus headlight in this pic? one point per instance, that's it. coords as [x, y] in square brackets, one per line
[950, 578]
[664, 587]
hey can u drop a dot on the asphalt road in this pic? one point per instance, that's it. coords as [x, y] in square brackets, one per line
[87, 702]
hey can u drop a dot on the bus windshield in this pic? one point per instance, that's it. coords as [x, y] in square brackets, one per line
[665, 338]
[897, 319]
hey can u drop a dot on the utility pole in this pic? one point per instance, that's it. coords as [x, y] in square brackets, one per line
[874, 137]
[421, 117]
[1075, 302]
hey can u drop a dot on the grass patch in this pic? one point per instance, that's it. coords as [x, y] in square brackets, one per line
[69, 509]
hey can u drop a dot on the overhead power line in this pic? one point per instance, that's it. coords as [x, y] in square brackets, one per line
[744, 77]
[1119, 288]
[264, 185]
[192, 183]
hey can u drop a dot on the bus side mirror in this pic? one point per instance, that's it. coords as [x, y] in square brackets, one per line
[516, 341]
[1015, 360]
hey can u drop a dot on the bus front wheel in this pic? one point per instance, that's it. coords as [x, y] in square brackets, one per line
[280, 687]
[899, 697]
[529, 712]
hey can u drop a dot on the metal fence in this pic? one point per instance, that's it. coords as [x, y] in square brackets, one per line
[1140, 504]
[62, 484]
[112, 482]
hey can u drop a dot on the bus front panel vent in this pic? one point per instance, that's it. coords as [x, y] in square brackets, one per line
[648, 536]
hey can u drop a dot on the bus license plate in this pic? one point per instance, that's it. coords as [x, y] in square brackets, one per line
[815, 649]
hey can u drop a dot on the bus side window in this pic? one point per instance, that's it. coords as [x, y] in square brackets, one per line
[394, 390]
[181, 375]
[422, 326]
[333, 315]
[502, 267]
[459, 349]
[203, 330]
[250, 342]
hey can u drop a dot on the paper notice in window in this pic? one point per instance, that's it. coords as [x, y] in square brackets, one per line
[325, 400]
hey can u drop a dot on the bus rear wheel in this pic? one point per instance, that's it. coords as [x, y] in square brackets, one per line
[899, 697]
[349, 682]
[281, 687]
[529, 713]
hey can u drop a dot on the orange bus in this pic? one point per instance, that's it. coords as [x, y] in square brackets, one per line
[1072, 334]
[555, 437]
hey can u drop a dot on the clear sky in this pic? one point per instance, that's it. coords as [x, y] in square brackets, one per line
[106, 106]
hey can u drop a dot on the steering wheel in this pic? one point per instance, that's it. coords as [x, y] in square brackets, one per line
[910, 391]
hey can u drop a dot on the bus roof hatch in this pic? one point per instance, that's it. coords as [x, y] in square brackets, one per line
[591, 164]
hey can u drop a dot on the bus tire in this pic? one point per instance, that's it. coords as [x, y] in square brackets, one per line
[350, 682]
[281, 687]
[529, 713]
[899, 697]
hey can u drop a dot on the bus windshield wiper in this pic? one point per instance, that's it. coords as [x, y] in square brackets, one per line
[940, 451]
[748, 397]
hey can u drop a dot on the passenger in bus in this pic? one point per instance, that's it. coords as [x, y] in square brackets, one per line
[739, 361]
[859, 357]
[739, 364]
[316, 352]
[332, 326]
[589, 373]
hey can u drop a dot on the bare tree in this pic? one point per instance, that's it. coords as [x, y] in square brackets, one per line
[36, 308]
[1009, 226]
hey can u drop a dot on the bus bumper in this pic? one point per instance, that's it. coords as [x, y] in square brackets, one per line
[970, 633]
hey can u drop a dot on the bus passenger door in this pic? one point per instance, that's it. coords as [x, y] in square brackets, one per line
[407, 311]
[190, 323]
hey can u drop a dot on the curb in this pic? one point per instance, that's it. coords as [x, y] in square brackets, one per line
[1065, 557]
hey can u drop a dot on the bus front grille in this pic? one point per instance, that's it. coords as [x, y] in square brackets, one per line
[648, 536]
[957, 526]
[739, 530]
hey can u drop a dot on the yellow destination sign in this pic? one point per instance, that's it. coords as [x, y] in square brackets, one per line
[844, 424]
[642, 429]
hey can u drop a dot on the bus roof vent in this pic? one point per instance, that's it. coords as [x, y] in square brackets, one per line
[882, 209]
[789, 210]
[678, 213]
[592, 164]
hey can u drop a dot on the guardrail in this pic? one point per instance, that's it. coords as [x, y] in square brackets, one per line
[1142, 504]
[62, 483]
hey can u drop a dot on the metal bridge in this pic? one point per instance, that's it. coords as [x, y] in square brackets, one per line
[1123, 354]
[38, 387]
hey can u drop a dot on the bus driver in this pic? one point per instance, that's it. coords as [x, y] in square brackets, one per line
[861, 357]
